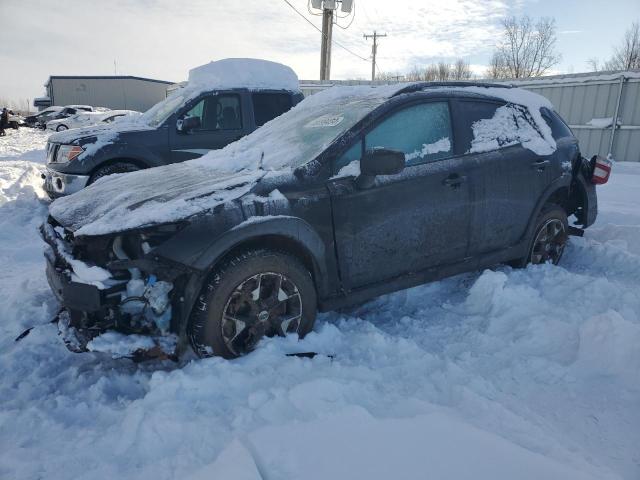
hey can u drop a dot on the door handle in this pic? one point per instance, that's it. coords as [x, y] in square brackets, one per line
[540, 165]
[454, 180]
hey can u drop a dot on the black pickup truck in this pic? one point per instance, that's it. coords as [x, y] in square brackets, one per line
[186, 125]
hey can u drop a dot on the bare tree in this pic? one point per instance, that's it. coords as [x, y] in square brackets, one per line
[434, 72]
[627, 55]
[461, 70]
[527, 48]
[594, 64]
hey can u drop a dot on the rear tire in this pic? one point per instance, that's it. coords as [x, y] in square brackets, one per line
[549, 238]
[249, 296]
[120, 167]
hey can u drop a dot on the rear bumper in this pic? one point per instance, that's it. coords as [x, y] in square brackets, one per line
[58, 184]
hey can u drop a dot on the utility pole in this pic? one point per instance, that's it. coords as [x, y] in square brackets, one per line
[325, 50]
[374, 50]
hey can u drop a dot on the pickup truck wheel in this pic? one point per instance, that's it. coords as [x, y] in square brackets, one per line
[550, 236]
[61, 128]
[120, 167]
[254, 294]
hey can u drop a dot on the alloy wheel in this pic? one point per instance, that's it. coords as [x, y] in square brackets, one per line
[549, 243]
[265, 304]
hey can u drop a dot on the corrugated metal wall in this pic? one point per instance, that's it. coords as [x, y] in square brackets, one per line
[580, 99]
[114, 93]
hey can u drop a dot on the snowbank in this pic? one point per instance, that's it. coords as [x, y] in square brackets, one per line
[499, 374]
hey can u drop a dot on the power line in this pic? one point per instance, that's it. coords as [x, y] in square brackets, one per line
[314, 26]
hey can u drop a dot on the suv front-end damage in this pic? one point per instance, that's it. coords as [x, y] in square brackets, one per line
[115, 283]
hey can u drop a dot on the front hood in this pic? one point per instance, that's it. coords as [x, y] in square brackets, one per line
[150, 197]
[104, 133]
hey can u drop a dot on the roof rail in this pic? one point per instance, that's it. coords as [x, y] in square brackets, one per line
[418, 86]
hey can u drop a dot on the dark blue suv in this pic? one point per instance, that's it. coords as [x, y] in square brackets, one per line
[353, 193]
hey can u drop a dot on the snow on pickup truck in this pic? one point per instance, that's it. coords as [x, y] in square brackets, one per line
[222, 102]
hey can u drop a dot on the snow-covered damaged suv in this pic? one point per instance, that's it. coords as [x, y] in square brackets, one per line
[222, 102]
[355, 192]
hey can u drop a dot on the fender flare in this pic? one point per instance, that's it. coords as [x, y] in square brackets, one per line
[561, 182]
[292, 228]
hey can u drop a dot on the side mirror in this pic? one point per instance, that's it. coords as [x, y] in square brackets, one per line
[187, 124]
[379, 161]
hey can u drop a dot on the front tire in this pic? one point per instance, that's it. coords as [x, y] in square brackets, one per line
[61, 128]
[249, 296]
[119, 167]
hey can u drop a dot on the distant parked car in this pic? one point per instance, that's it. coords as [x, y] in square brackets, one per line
[15, 121]
[189, 123]
[85, 119]
[43, 116]
[355, 192]
[66, 112]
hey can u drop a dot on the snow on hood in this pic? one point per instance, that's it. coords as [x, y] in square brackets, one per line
[148, 197]
[177, 191]
[248, 73]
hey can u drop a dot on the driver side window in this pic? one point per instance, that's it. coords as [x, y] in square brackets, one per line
[218, 112]
[422, 132]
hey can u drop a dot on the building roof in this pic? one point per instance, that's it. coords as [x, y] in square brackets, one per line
[105, 77]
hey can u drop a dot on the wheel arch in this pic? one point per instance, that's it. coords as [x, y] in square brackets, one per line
[112, 161]
[557, 192]
[282, 233]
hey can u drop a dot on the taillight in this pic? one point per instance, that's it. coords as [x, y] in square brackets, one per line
[601, 170]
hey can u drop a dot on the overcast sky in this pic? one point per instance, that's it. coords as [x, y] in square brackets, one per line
[163, 39]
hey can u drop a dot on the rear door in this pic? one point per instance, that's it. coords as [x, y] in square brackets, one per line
[510, 176]
[221, 122]
[409, 221]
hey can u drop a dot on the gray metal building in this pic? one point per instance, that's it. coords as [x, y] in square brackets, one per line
[602, 108]
[115, 92]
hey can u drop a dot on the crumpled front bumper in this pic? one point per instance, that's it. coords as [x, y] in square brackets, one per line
[72, 294]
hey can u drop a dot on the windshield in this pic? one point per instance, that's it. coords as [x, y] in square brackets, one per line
[301, 134]
[161, 110]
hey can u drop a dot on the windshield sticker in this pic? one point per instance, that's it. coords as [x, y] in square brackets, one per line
[325, 121]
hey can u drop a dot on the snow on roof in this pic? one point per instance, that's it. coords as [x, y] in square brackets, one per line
[244, 73]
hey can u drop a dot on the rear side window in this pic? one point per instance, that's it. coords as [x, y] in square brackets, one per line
[422, 132]
[267, 106]
[468, 113]
[559, 129]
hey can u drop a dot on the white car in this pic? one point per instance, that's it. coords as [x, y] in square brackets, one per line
[86, 119]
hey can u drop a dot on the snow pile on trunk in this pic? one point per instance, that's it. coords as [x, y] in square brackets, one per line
[248, 73]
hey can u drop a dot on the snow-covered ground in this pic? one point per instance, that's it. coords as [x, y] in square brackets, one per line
[501, 374]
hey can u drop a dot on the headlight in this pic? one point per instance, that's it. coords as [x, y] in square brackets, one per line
[66, 153]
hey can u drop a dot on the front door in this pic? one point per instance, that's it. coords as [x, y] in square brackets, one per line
[221, 123]
[409, 221]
